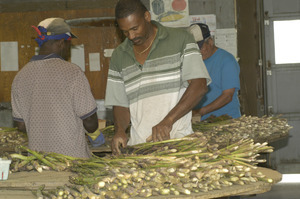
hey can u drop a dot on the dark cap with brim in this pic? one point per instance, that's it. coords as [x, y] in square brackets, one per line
[200, 31]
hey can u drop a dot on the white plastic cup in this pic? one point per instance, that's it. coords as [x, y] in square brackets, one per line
[4, 169]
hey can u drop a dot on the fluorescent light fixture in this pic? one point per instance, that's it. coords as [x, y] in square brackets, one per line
[290, 178]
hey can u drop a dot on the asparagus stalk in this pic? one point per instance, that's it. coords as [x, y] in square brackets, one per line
[40, 157]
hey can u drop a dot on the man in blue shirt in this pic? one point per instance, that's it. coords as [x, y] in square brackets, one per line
[222, 95]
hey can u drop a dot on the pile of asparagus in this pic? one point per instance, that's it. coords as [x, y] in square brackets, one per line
[224, 130]
[11, 137]
[220, 130]
[177, 166]
[260, 129]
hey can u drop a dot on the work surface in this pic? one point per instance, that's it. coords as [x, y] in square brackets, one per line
[19, 185]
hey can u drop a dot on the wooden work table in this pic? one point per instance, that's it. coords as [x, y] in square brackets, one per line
[19, 185]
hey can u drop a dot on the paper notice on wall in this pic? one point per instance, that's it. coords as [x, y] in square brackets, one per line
[9, 56]
[36, 50]
[170, 13]
[77, 56]
[209, 20]
[94, 61]
[227, 39]
[108, 52]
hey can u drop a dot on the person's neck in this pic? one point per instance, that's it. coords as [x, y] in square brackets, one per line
[148, 43]
[49, 52]
[215, 48]
[46, 51]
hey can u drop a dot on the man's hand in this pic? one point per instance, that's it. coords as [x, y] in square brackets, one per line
[196, 112]
[119, 139]
[21, 126]
[162, 131]
[122, 120]
[193, 94]
[199, 112]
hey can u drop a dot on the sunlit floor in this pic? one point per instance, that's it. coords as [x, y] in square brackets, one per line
[288, 188]
[280, 191]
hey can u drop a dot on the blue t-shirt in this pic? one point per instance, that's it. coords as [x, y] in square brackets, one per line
[224, 72]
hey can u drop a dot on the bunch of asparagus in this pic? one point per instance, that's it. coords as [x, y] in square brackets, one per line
[40, 161]
[260, 129]
[224, 130]
[177, 166]
[221, 130]
[11, 137]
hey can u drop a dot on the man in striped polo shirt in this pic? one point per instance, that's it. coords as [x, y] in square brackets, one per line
[156, 76]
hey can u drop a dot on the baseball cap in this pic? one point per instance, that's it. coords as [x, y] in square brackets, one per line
[53, 28]
[200, 31]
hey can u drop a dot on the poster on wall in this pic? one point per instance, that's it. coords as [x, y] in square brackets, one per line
[77, 56]
[9, 56]
[209, 20]
[227, 39]
[172, 13]
[94, 59]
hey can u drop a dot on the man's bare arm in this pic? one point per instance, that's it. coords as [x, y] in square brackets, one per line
[193, 94]
[121, 123]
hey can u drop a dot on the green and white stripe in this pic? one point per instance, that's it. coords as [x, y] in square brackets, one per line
[152, 90]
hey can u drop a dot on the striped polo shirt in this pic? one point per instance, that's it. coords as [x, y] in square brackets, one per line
[151, 90]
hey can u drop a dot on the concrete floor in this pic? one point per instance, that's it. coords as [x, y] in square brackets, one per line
[280, 191]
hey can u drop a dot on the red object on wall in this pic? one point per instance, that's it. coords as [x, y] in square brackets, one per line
[178, 5]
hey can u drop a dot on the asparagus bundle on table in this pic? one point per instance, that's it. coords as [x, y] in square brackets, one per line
[41, 161]
[223, 130]
[177, 166]
[260, 129]
[11, 137]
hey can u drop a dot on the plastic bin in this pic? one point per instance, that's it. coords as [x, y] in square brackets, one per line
[4, 169]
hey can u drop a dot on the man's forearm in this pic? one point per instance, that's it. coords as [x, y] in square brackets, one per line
[121, 118]
[193, 94]
[91, 123]
[218, 103]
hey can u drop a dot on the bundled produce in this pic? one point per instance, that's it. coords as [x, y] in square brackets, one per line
[224, 131]
[11, 137]
[222, 152]
[221, 130]
[177, 166]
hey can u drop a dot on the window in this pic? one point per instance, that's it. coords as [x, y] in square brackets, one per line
[287, 41]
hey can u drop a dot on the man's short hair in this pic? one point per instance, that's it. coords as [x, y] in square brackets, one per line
[124, 8]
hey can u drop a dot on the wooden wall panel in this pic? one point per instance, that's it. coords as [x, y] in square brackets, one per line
[47, 5]
[248, 51]
[16, 26]
[96, 40]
